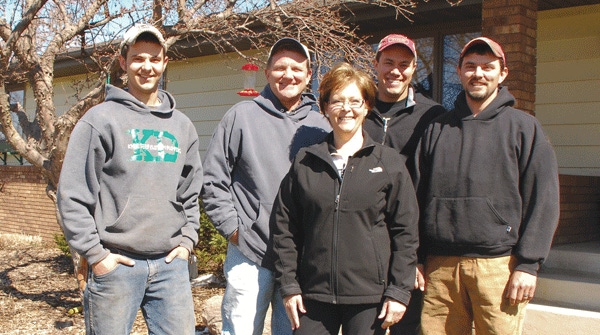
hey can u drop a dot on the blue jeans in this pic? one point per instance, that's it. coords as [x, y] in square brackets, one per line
[250, 290]
[161, 290]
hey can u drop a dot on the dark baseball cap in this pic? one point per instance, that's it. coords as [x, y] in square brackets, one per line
[289, 43]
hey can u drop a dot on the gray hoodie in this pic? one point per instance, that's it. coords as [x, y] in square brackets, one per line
[250, 152]
[131, 179]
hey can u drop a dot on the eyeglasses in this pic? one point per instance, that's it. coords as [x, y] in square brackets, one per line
[354, 104]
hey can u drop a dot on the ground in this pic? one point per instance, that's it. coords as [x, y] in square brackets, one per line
[37, 290]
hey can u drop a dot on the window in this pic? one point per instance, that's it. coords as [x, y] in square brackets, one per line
[451, 85]
[15, 98]
[423, 77]
[436, 76]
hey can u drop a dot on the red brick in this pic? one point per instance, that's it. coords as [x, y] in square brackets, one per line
[24, 205]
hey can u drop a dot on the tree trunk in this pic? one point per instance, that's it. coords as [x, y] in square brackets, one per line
[81, 271]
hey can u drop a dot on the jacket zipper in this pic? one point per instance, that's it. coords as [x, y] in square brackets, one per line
[334, 263]
[385, 128]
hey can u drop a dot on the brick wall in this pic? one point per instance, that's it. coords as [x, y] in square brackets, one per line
[579, 209]
[513, 24]
[24, 206]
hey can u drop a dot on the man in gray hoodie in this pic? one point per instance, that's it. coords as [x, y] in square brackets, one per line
[250, 152]
[128, 198]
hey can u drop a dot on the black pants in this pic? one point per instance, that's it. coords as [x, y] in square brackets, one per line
[326, 319]
[410, 324]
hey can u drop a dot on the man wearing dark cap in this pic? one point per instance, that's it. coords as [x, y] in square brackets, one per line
[398, 120]
[487, 184]
[128, 198]
[249, 154]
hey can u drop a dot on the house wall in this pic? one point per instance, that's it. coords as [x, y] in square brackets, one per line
[66, 93]
[24, 206]
[579, 209]
[206, 87]
[568, 86]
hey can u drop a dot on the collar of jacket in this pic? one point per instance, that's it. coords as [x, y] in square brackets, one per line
[269, 102]
[324, 149]
[503, 99]
[395, 110]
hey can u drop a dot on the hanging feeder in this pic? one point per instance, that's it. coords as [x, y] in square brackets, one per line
[249, 80]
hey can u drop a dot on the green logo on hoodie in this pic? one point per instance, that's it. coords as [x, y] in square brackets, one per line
[153, 146]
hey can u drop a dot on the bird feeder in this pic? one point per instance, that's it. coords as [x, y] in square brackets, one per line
[249, 80]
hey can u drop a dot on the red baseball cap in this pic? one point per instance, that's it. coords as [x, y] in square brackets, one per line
[494, 47]
[394, 39]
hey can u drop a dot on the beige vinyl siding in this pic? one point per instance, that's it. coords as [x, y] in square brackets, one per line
[67, 94]
[568, 86]
[206, 87]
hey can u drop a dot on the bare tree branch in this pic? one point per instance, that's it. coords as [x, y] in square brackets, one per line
[22, 25]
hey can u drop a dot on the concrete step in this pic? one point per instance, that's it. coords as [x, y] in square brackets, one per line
[568, 288]
[550, 320]
[581, 257]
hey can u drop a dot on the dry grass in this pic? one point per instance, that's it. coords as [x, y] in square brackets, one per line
[37, 289]
[17, 241]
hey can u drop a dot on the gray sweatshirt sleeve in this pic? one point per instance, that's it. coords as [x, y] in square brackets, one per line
[78, 189]
[188, 191]
[219, 161]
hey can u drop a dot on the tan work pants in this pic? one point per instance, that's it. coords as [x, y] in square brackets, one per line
[465, 291]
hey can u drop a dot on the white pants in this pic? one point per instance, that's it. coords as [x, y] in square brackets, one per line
[250, 290]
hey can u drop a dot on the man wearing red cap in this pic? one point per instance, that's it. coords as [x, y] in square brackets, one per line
[487, 185]
[398, 120]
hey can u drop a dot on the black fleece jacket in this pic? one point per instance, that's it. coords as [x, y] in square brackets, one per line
[402, 126]
[487, 185]
[349, 240]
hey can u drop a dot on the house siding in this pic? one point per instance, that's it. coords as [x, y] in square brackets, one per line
[568, 86]
[206, 87]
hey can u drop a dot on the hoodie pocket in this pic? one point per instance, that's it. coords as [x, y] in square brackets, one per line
[247, 206]
[466, 221]
[147, 225]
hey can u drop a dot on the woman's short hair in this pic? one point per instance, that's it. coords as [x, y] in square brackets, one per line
[340, 76]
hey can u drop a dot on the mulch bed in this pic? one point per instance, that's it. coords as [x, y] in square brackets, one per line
[37, 290]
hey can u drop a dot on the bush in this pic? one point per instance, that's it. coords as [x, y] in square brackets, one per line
[212, 246]
[61, 243]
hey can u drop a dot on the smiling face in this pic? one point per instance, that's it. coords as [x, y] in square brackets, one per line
[395, 68]
[480, 76]
[346, 111]
[144, 65]
[288, 75]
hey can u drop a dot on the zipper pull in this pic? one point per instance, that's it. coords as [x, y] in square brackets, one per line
[337, 202]
[385, 128]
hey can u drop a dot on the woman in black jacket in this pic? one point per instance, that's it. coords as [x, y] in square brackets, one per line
[345, 234]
